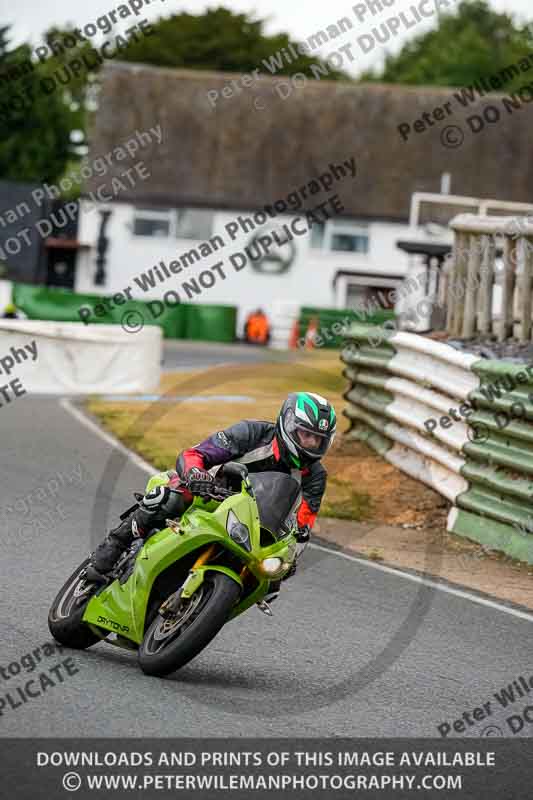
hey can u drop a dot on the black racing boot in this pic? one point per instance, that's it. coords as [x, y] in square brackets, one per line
[155, 508]
[109, 551]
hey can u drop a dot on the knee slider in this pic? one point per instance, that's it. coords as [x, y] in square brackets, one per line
[163, 501]
[155, 498]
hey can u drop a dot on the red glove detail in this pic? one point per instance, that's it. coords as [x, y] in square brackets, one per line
[305, 516]
[177, 484]
[192, 458]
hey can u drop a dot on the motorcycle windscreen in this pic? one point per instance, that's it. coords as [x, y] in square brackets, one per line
[277, 496]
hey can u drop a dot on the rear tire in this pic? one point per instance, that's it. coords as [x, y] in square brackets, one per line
[170, 644]
[65, 615]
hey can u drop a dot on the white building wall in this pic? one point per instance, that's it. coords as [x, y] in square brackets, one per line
[5, 294]
[309, 281]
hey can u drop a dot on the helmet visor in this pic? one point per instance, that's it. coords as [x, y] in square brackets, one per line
[308, 441]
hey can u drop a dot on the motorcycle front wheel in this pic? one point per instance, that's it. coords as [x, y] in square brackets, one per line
[171, 642]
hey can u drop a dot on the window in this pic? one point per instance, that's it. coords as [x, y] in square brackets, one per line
[152, 222]
[151, 227]
[348, 237]
[317, 236]
[194, 223]
[182, 223]
[348, 242]
[340, 236]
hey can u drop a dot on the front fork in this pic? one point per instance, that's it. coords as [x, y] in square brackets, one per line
[196, 578]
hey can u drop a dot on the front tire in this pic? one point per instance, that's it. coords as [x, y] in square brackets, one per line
[65, 615]
[170, 643]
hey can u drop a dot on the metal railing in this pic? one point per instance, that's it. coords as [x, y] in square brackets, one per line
[489, 282]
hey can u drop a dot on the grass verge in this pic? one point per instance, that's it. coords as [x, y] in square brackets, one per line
[158, 431]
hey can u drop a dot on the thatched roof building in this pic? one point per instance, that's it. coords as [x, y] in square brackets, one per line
[254, 147]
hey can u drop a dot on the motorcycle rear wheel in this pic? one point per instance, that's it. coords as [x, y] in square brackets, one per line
[65, 615]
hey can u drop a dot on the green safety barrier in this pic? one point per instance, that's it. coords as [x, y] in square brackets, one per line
[496, 509]
[184, 321]
[56, 305]
[211, 323]
[331, 319]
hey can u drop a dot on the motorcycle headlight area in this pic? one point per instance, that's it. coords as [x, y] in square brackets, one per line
[272, 567]
[238, 531]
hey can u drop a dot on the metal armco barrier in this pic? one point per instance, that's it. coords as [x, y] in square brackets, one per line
[480, 459]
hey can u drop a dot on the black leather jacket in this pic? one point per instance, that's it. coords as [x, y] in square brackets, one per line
[254, 443]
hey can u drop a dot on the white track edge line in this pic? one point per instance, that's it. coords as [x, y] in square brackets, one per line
[83, 419]
[428, 582]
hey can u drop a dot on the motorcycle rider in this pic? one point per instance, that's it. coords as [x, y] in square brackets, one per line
[295, 444]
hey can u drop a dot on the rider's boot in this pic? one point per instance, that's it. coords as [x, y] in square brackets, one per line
[155, 507]
[109, 551]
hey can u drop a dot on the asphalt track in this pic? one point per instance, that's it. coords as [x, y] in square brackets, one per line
[353, 650]
[188, 355]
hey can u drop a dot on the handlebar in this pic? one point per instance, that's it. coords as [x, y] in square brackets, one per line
[214, 491]
[219, 493]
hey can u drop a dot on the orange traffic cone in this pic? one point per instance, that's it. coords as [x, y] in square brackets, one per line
[312, 331]
[295, 333]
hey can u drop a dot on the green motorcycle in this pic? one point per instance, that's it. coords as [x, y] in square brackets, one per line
[171, 593]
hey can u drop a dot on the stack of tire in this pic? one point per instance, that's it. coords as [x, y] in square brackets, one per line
[282, 321]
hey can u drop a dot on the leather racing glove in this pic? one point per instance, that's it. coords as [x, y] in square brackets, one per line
[199, 481]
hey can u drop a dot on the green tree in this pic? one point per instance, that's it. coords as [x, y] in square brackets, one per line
[218, 40]
[36, 123]
[78, 83]
[35, 127]
[78, 87]
[472, 43]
